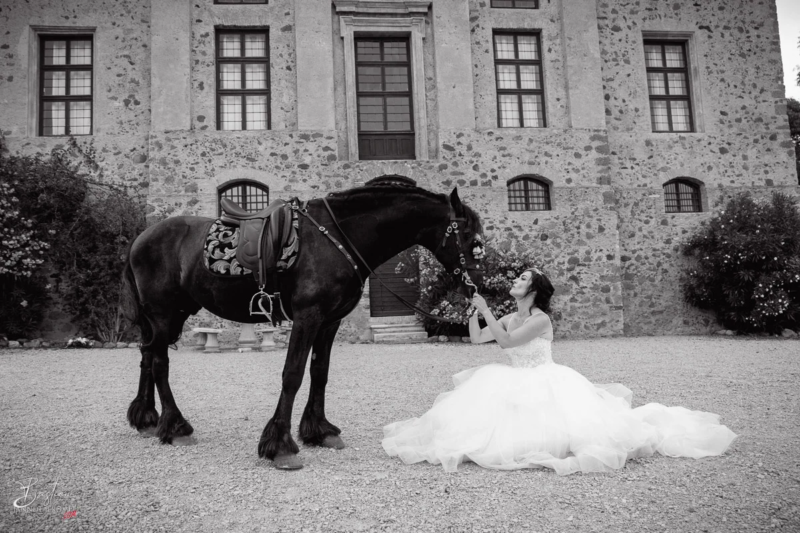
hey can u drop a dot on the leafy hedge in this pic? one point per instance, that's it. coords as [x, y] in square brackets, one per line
[438, 289]
[64, 236]
[746, 265]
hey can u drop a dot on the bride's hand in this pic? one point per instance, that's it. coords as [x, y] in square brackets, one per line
[480, 304]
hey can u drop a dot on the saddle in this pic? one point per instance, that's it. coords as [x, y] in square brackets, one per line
[267, 238]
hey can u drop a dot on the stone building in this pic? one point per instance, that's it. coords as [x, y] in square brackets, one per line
[597, 132]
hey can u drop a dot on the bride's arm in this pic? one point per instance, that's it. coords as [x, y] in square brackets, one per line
[478, 335]
[535, 326]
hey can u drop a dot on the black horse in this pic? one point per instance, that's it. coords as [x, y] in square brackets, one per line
[167, 281]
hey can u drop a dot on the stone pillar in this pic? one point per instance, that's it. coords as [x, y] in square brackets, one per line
[170, 65]
[314, 49]
[247, 338]
[582, 53]
[451, 35]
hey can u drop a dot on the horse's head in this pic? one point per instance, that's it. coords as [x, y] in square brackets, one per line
[461, 246]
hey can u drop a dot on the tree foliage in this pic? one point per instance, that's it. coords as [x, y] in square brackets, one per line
[85, 227]
[746, 265]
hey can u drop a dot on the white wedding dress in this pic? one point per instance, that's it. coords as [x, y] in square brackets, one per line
[536, 413]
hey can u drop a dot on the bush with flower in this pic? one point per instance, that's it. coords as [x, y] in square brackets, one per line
[63, 236]
[745, 265]
[439, 290]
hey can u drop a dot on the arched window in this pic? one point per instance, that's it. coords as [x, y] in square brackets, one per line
[682, 196]
[250, 195]
[528, 193]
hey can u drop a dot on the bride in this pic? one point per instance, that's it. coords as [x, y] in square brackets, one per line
[536, 413]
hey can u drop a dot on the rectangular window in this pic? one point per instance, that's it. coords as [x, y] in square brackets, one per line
[383, 92]
[243, 80]
[65, 85]
[520, 88]
[668, 85]
[517, 4]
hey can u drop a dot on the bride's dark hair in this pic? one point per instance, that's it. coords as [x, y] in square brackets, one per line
[543, 288]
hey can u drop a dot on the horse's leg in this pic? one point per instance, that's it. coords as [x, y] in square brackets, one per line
[314, 427]
[166, 330]
[142, 412]
[276, 441]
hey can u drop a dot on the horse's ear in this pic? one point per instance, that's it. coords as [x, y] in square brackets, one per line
[455, 201]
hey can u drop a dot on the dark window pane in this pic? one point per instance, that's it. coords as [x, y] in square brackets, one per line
[396, 79]
[395, 51]
[55, 52]
[398, 114]
[368, 51]
[369, 79]
[55, 118]
[55, 83]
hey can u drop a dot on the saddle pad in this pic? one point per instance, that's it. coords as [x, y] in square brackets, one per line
[219, 254]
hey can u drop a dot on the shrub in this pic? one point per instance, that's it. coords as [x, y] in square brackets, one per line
[49, 204]
[746, 265]
[438, 289]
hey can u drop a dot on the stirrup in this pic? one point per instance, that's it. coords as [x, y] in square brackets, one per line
[261, 295]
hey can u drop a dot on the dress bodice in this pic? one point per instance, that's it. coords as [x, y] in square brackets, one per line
[535, 353]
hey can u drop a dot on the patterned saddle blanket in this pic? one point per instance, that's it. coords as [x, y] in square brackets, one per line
[222, 255]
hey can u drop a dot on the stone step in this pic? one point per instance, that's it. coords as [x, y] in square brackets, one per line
[396, 328]
[400, 337]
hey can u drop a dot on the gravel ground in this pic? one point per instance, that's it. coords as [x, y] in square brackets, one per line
[63, 432]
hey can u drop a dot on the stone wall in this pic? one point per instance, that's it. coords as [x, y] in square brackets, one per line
[612, 249]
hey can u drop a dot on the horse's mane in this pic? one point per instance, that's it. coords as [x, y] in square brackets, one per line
[401, 185]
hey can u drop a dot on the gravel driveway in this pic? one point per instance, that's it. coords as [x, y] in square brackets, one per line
[63, 433]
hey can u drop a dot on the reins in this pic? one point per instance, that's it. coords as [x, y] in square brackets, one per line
[452, 227]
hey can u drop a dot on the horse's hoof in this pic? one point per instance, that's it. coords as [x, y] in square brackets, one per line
[333, 441]
[187, 440]
[288, 461]
[147, 432]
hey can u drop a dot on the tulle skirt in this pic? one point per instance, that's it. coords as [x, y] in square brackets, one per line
[549, 416]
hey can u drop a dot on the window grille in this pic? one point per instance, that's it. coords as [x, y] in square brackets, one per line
[243, 97]
[528, 194]
[682, 196]
[251, 196]
[518, 71]
[65, 85]
[668, 85]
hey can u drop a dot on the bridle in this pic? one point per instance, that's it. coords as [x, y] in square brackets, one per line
[461, 271]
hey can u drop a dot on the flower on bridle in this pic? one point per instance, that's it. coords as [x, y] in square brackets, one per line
[478, 252]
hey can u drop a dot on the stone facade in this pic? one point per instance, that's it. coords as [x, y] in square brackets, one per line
[611, 247]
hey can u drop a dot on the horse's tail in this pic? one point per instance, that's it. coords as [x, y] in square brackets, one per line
[131, 304]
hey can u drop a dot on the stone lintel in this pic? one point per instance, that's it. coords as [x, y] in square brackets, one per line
[384, 7]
